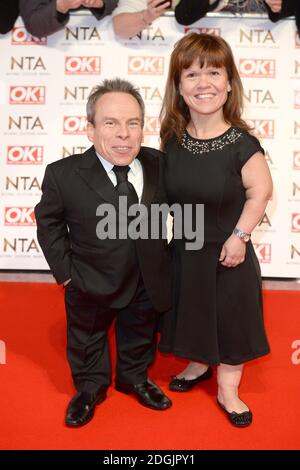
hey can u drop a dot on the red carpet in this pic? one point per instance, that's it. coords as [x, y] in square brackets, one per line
[35, 387]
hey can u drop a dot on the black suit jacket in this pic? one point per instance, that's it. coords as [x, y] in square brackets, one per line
[66, 217]
[9, 12]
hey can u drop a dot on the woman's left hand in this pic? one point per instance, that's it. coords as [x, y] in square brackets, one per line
[233, 252]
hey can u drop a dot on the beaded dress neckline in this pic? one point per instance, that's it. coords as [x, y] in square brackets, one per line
[202, 146]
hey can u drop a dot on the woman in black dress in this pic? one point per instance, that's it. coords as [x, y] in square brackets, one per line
[212, 159]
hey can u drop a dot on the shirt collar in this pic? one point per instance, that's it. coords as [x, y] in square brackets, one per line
[109, 166]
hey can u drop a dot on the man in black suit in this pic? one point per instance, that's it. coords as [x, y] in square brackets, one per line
[107, 276]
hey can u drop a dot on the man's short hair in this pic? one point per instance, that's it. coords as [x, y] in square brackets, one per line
[108, 86]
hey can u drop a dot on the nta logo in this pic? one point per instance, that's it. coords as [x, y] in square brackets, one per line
[82, 33]
[259, 96]
[28, 63]
[25, 123]
[20, 245]
[258, 36]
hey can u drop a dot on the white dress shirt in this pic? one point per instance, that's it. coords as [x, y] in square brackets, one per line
[135, 174]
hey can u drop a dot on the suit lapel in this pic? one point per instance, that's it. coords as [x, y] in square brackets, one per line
[150, 175]
[91, 170]
[95, 176]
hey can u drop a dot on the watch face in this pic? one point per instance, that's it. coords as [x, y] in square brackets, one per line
[242, 235]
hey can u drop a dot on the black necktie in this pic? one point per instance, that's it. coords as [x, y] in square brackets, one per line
[124, 187]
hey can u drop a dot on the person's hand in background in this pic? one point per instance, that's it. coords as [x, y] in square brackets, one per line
[275, 5]
[93, 3]
[63, 6]
[155, 8]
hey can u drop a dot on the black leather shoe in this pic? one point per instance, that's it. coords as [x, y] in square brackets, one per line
[240, 420]
[147, 393]
[184, 385]
[82, 407]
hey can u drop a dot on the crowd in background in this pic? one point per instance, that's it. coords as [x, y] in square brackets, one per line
[130, 17]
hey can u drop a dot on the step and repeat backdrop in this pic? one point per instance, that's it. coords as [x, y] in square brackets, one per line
[44, 85]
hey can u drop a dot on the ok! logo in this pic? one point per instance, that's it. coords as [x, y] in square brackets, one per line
[151, 126]
[21, 37]
[262, 128]
[297, 99]
[296, 222]
[19, 216]
[82, 65]
[27, 94]
[263, 252]
[144, 65]
[25, 155]
[75, 125]
[296, 160]
[257, 68]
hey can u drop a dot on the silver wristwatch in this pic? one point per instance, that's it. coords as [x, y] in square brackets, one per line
[242, 235]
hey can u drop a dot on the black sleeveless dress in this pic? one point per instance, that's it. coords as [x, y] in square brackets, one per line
[217, 311]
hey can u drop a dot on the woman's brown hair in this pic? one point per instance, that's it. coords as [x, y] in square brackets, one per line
[209, 50]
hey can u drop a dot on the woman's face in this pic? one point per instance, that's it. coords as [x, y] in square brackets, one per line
[204, 90]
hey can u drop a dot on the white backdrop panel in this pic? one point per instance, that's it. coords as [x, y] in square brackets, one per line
[44, 85]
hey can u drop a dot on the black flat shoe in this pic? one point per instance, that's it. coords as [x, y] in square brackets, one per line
[147, 393]
[240, 420]
[82, 407]
[184, 385]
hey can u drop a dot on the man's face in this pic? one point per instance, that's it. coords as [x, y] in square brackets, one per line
[117, 133]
